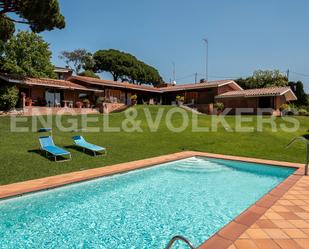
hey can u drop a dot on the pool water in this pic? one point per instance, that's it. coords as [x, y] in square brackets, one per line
[193, 197]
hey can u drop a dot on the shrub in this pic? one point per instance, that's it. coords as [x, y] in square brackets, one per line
[219, 106]
[100, 100]
[134, 97]
[284, 107]
[302, 111]
[86, 101]
[8, 97]
[180, 98]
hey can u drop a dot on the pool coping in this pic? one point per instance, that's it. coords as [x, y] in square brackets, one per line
[224, 238]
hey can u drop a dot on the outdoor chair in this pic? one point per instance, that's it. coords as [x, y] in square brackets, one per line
[51, 150]
[82, 143]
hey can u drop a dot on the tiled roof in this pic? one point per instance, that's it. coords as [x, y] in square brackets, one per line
[127, 85]
[112, 83]
[208, 84]
[74, 82]
[44, 82]
[260, 92]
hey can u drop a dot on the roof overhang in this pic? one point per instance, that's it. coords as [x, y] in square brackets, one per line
[23, 82]
[118, 85]
[185, 87]
[288, 94]
[198, 87]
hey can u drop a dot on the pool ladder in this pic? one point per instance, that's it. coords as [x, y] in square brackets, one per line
[179, 237]
[307, 150]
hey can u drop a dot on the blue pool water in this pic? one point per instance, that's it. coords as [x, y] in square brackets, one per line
[145, 208]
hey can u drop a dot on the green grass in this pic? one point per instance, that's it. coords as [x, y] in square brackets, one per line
[20, 161]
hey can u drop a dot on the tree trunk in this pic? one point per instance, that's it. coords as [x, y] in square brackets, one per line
[115, 76]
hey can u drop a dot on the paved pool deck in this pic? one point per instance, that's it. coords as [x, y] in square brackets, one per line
[280, 219]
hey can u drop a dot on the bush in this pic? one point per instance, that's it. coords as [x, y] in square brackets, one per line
[86, 101]
[302, 111]
[100, 100]
[180, 98]
[284, 107]
[134, 97]
[8, 97]
[219, 106]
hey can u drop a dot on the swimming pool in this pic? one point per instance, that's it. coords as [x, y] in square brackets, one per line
[145, 208]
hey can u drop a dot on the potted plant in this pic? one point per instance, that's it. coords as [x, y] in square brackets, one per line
[28, 101]
[180, 99]
[79, 104]
[86, 103]
[134, 99]
[219, 107]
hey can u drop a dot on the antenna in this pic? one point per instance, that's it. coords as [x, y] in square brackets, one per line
[206, 43]
[174, 71]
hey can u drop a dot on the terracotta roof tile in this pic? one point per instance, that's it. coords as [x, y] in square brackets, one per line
[209, 84]
[118, 84]
[44, 82]
[270, 91]
[73, 82]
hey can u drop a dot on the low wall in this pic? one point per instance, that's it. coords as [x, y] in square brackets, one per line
[37, 111]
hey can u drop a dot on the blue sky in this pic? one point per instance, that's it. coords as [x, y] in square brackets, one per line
[243, 35]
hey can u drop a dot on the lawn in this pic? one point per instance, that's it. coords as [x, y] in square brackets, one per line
[20, 160]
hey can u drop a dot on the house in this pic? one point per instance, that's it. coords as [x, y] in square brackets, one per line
[72, 90]
[263, 98]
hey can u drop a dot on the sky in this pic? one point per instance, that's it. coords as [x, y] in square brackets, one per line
[243, 35]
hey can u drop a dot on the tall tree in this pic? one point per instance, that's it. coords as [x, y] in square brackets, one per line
[262, 79]
[40, 15]
[298, 89]
[27, 54]
[78, 59]
[113, 61]
[124, 66]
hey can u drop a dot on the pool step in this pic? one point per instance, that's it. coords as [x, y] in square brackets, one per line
[194, 166]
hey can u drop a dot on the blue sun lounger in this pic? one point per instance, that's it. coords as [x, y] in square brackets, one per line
[82, 143]
[48, 146]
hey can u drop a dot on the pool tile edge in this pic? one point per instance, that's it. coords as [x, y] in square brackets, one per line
[252, 214]
[29, 186]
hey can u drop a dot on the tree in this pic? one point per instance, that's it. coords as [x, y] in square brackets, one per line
[124, 66]
[8, 97]
[113, 61]
[78, 59]
[27, 54]
[89, 73]
[262, 79]
[39, 15]
[298, 89]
